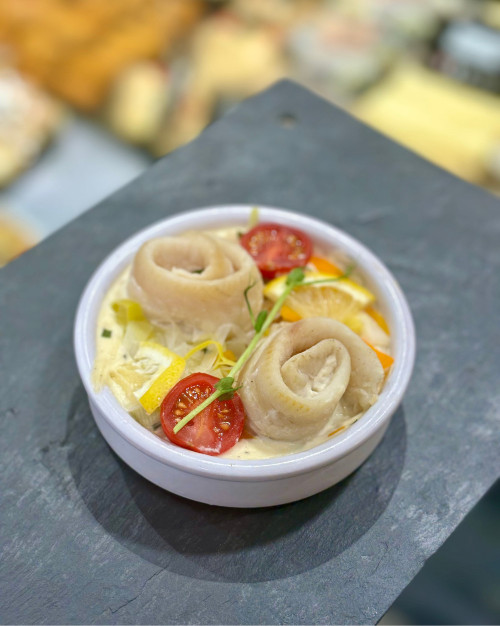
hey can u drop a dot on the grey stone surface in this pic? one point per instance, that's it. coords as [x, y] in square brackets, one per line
[85, 539]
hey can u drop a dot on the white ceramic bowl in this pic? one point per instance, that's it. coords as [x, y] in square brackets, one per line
[228, 482]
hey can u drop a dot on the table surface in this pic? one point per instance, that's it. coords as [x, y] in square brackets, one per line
[87, 540]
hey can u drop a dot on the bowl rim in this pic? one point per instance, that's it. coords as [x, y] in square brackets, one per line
[389, 294]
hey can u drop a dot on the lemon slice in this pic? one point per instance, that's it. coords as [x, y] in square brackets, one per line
[150, 375]
[379, 318]
[340, 300]
[165, 368]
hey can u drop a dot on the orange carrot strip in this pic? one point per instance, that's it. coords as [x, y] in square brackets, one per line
[385, 359]
[336, 431]
[289, 314]
[324, 266]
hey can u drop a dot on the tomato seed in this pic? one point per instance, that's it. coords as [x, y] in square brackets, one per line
[181, 405]
[177, 412]
[225, 425]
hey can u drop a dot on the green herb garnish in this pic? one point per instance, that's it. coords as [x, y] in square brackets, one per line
[106, 333]
[196, 271]
[224, 387]
[245, 295]
[257, 322]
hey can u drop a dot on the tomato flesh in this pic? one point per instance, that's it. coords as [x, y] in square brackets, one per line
[277, 249]
[213, 431]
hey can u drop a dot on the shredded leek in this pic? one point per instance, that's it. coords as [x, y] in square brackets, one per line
[135, 333]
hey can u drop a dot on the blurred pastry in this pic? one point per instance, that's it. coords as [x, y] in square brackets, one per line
[453, 125]
[276, 12]
[139, 102]
[231, 59]
[15, 237]
[338, 55]
[28, 119]
[78, 49]
[228, 62]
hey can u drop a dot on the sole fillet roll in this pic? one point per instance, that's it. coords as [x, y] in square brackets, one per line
[196, 280]
[308, 374]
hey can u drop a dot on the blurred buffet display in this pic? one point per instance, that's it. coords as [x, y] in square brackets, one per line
[155, 73]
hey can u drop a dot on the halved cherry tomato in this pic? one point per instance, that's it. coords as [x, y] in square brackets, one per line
[277, 249]
[213, 431]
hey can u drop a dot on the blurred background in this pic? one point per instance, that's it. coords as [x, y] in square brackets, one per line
[93, 91]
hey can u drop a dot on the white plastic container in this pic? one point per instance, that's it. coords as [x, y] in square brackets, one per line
[257, 483]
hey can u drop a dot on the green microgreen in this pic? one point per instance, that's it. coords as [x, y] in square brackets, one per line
[249, 306]
[224, 387]
[259, 322]
[225, 384]
[349, 270]
[295, 277]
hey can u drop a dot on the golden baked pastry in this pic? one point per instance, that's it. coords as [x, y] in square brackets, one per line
[15, 238]
[77, 49]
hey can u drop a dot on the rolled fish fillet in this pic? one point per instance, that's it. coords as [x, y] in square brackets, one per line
[306, 375]
[195, 279]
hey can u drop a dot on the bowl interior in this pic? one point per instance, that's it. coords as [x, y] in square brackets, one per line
[390, 299]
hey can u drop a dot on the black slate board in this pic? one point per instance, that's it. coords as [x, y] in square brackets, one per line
[86, 540]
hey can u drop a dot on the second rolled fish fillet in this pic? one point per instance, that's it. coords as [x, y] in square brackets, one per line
[306, 375]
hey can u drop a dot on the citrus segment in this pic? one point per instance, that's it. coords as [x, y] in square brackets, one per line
[340, 299]
[379, 318]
